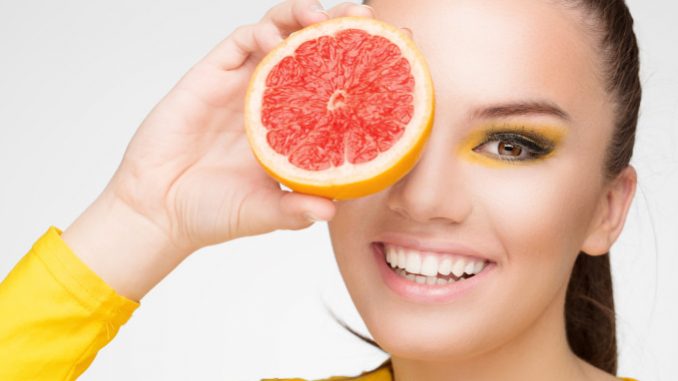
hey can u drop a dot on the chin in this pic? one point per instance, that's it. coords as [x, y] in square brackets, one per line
[429, 342]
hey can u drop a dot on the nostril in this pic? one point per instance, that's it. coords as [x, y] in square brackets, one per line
[420, 200]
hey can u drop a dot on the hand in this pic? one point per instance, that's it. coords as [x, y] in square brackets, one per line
[188, 178]
[189, 169]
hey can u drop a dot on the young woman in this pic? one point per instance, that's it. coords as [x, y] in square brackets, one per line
[522, 189]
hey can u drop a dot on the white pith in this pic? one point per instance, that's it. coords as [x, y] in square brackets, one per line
[346, 173]
[430, 268]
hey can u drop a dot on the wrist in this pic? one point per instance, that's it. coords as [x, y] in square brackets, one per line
[128, 251]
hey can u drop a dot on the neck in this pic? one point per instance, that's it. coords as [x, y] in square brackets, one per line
[541, 352]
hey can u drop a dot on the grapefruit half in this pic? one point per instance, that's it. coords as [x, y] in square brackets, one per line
[341, 108]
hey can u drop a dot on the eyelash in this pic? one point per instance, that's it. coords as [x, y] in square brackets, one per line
[535, 145]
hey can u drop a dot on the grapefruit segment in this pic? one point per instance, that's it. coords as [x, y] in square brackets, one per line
[340, 109]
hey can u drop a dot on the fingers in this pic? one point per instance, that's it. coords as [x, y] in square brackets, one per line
[260, 38]
[278, 23]
[299, 210]
[232, 52]
[351, 9]
[273, 209]
[292, 15]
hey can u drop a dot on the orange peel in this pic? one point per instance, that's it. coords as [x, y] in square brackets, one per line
[340, 109]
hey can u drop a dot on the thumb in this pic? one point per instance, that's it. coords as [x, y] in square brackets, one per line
[277, 209]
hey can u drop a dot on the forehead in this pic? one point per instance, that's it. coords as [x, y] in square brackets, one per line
[494, 51]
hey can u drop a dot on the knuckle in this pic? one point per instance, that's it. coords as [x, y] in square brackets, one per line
[278, 8]
[242, 29]
[262, 36]
[298, 6]
[264, 29]
[270, 13]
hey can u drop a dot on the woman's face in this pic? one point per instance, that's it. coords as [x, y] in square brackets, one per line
[520, 68]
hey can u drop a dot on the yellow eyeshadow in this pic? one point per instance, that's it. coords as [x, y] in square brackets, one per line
[551, 133]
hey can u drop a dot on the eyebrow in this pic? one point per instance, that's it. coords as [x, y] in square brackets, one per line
[521, 108]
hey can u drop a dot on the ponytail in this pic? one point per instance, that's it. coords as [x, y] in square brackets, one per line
[589, 312]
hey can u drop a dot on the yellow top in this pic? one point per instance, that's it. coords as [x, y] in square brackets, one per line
[56, 314]
[381, 373]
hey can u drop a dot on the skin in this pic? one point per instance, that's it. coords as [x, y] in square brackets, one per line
[188, 180]
[532, 218]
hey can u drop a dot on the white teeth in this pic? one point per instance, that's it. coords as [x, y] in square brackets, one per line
[413, 262]
[458, 267]
[390, 258]
[429, 266]
[470, 266]
[402, 258]
[429, 280]
[445, 266]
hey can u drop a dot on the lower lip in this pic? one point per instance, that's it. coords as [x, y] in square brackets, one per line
[424, 293]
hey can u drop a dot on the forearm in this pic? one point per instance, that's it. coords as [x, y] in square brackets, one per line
[125, 249]
[55, 314]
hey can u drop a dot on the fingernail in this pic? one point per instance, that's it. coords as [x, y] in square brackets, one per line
[318, 8]
[368, 7]
[407, 30]
[311, 217]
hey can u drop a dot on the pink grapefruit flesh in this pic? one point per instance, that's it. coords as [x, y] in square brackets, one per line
[341, 109]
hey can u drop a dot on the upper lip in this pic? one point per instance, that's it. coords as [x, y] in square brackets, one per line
[430, 244]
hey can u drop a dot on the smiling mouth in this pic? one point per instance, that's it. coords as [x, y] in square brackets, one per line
[430, 268]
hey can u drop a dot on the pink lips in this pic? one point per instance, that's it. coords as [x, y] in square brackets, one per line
[423, 293]
[431, 245]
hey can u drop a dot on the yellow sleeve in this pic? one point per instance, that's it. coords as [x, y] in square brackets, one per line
[55, 314]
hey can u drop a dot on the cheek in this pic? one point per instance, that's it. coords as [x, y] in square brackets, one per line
[539, 217]
[528, 216]
[536, 221]
[349, 219]
[350, 228]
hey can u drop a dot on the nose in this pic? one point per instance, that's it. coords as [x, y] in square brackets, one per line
[433, 191]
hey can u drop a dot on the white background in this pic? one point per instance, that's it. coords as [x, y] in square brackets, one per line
[76, 79]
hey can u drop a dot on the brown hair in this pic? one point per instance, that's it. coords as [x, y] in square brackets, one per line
[589, 304]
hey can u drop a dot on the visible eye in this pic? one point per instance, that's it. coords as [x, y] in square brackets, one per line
[509, 146]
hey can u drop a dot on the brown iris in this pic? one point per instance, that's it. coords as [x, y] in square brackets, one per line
[509, 149]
